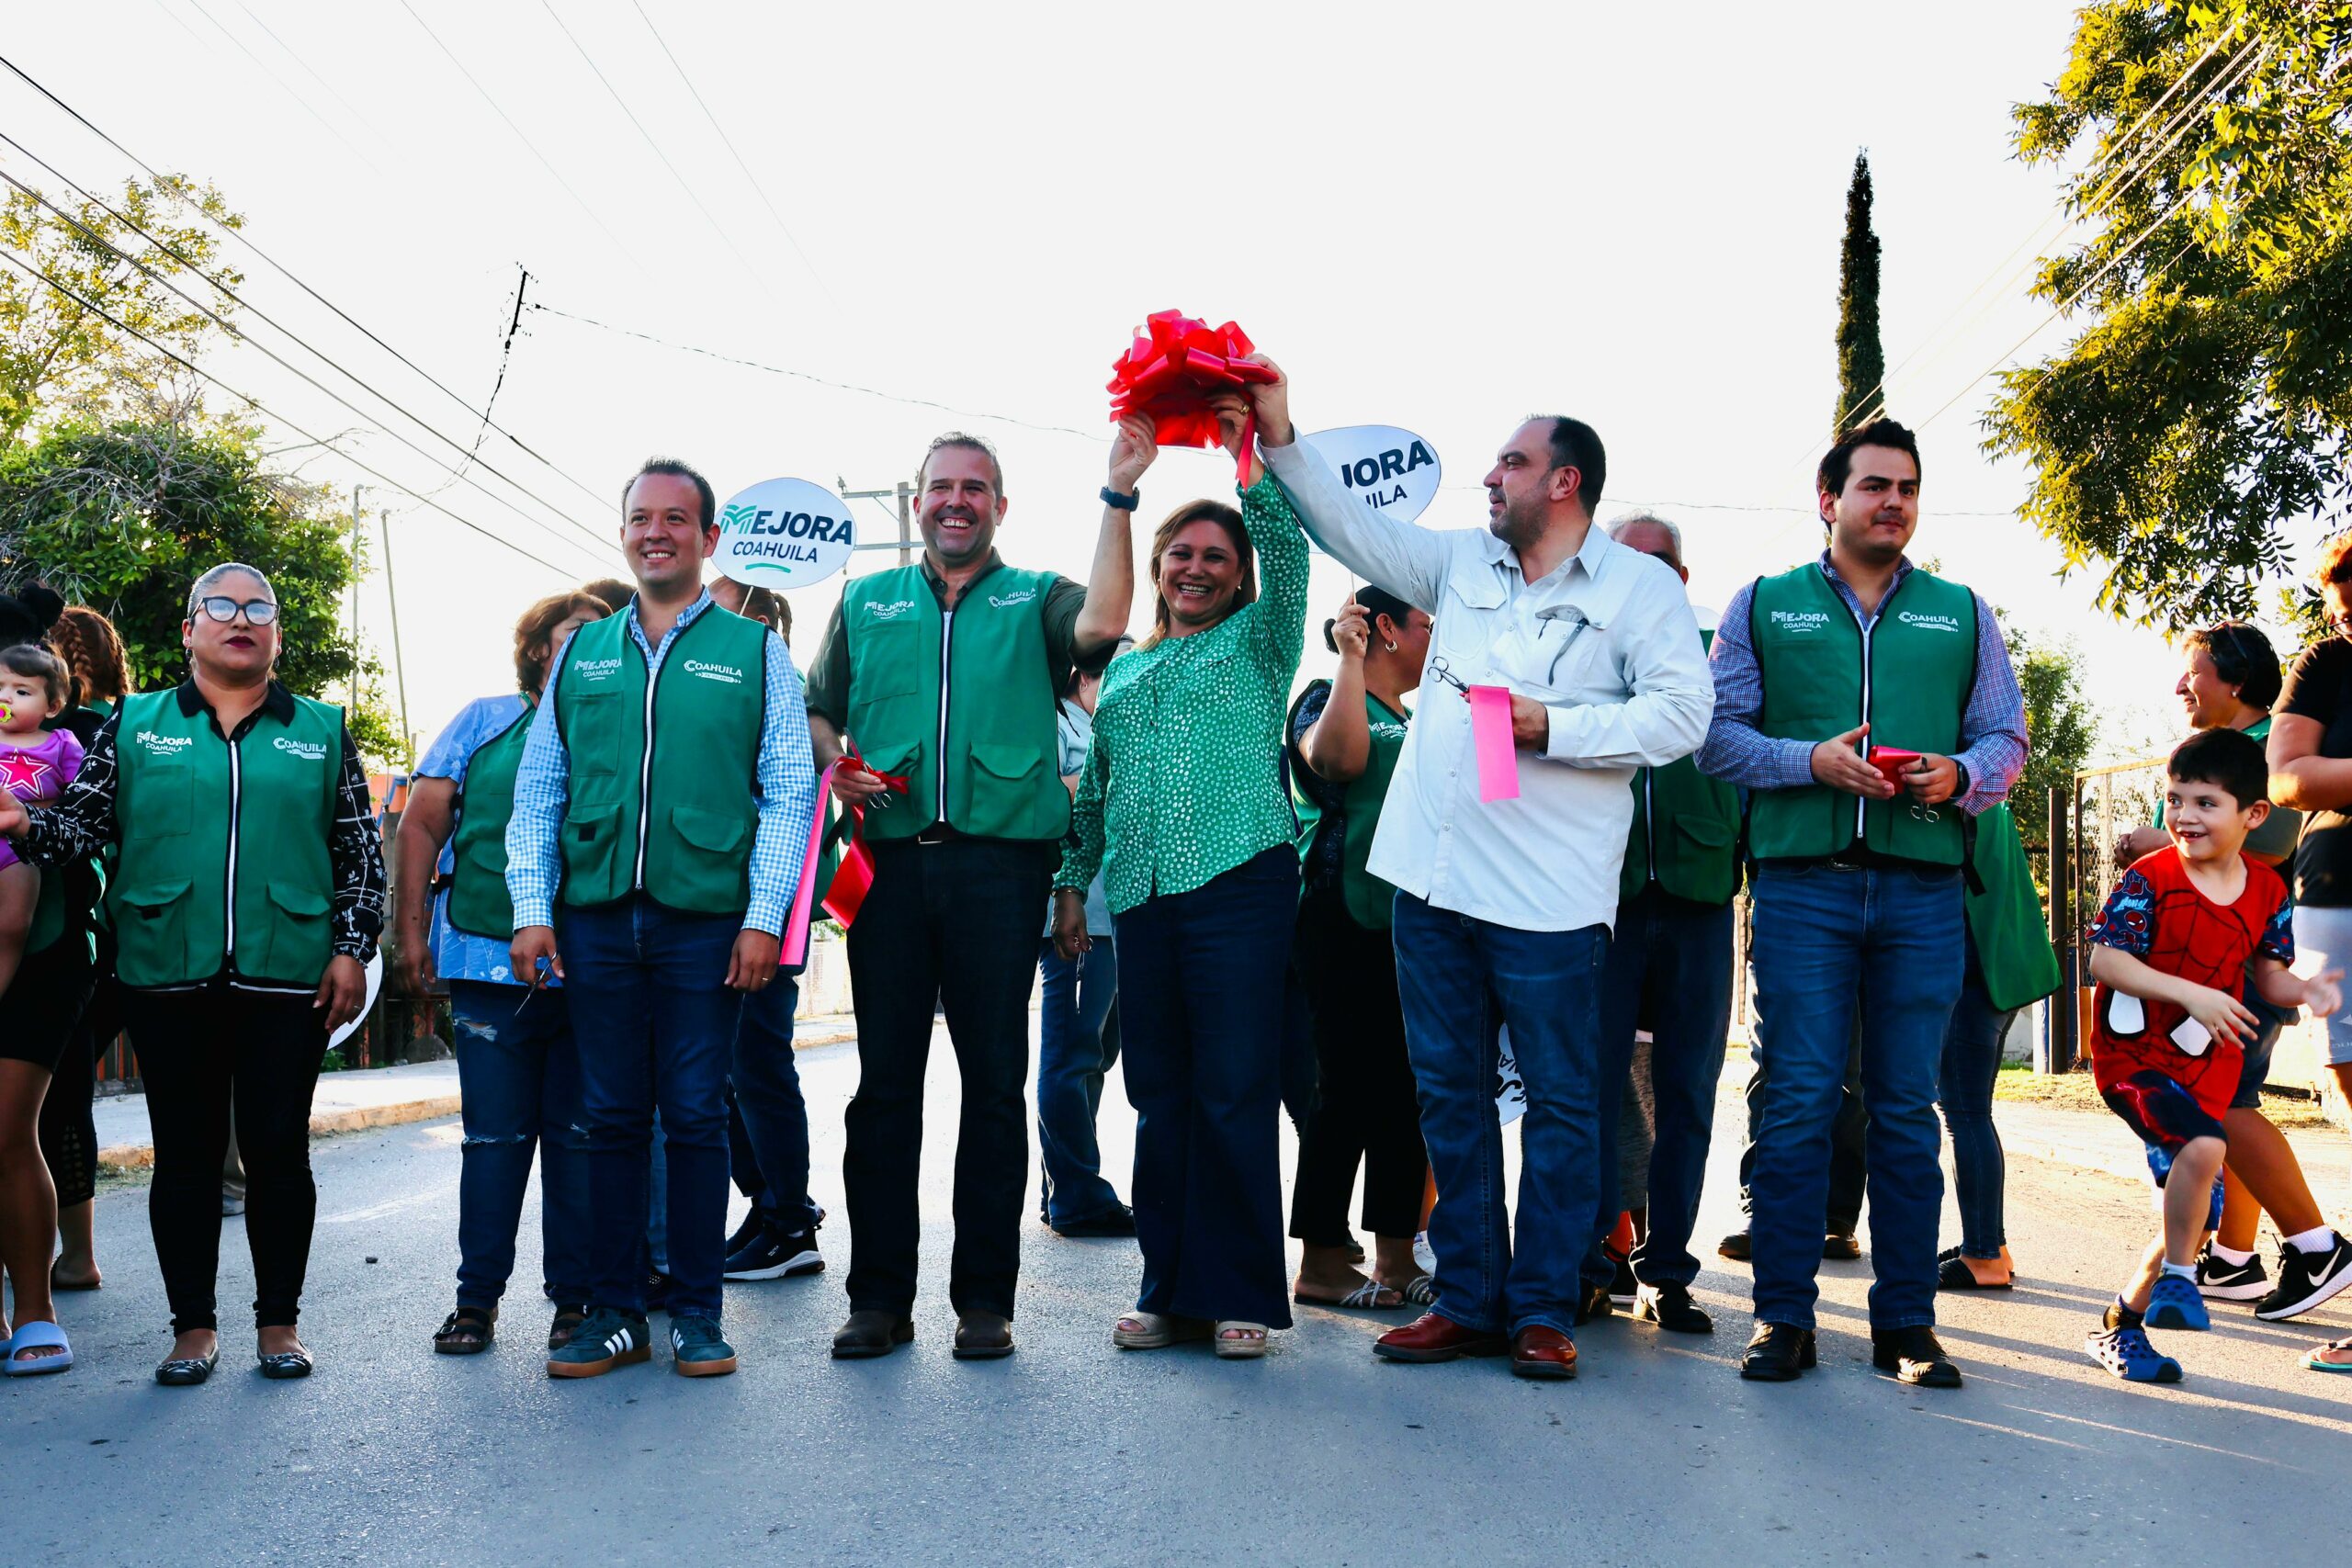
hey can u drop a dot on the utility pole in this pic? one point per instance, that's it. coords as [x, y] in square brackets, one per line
[904, 494]
[400, 665]
[354, 595]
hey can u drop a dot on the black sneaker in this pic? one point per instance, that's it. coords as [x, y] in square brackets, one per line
[2306, 1279]
[755, 1221]
[1115, 1221]
[1735, 1246]
[2220, 1280]
[1623, 1288]
[1670, 1307]
[773, 1255]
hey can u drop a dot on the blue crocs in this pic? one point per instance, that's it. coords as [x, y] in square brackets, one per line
[2174, 1304]
[2126, 1353]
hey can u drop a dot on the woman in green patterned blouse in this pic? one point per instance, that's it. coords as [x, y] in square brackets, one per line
[1182, 806]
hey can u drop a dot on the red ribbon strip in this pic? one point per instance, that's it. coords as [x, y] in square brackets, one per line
[852, 879]
[1171, 372]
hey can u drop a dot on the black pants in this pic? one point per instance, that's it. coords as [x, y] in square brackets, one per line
[197, 1052]
[951, 925]
[69, 1130]
[1367, 1107]
[1848, 1166]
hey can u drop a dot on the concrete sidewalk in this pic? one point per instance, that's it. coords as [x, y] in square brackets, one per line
[362, 1097]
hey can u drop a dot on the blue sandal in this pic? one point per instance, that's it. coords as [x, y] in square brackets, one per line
[37, 1335]
[2313, 1362]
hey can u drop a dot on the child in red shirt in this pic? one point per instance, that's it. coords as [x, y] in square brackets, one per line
[2168, 1032]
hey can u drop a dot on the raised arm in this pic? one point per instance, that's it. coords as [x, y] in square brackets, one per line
[1272, 526]
[1111, 586]
[1339, 745]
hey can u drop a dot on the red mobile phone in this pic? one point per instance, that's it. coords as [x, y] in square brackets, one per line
[1890, 762]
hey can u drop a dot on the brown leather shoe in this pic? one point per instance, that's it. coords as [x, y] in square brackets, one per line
[982, 1336]
[1540, 1352]
[1430, 1338]
[871, 1332]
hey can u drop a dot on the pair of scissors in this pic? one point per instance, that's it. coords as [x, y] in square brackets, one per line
[1437, 667]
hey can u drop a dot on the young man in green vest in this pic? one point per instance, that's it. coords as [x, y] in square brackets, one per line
[666, 786]
[943, 675]
[1668, 971]
[1857, 886]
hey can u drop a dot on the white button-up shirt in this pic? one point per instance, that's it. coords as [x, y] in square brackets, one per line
[1606, 641]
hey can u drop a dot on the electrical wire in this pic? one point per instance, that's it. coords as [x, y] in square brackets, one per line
[284, 87]
[168, 183]
[103, 314]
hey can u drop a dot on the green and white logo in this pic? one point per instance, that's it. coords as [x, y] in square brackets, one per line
[785, 533]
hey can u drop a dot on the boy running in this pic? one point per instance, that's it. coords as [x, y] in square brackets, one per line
[2167, 1028]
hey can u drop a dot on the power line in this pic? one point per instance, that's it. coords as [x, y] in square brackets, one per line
[284, 85]
[103, 314]
[458, 473]
[332, 90]
[173, 186]
[728, 142]
[819, 380]
[505, 354]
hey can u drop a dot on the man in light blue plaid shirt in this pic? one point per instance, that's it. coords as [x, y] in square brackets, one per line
[666, 791]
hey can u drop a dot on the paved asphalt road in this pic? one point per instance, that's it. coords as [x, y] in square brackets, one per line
[1069, 1452]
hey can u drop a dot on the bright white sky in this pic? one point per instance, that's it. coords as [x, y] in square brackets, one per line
[1438, 218]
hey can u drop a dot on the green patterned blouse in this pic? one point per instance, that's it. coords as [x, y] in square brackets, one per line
[1183, 780]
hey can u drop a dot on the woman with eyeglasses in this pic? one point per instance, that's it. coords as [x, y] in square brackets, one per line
[247, 895]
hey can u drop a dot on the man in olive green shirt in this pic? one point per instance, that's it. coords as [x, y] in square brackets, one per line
[939, 678]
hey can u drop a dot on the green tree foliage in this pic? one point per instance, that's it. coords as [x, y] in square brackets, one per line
[1861, 362]
[123, 517]
[2204, 407]
[2062, 727]
[59, 358]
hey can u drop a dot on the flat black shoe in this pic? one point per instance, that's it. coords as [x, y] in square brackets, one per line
[1735, 1246]
[287, 1364]
[1671, 1308]
[982, 1336]
[185, 1372]
[1914, 1356]
[1116, 1220]
[1841, 1246]
[871, 1332]
[1779, 1352]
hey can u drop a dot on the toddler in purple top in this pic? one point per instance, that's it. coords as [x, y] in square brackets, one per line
[35, 765]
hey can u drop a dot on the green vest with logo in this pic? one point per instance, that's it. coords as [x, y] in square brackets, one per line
[981, 753]
[221, 855]
[1369, 900]
[1909, 679]
[1686, 831]
[2006, 920]
[664, 774]
[478, 902]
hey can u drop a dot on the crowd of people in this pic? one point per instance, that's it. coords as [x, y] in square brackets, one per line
[1513, 827]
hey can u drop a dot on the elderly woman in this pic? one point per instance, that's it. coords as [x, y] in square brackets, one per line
[518, 1075]
[1183, 793]
[247, 899]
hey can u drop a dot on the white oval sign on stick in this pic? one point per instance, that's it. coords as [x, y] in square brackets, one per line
[1392, 471]
[784, 534]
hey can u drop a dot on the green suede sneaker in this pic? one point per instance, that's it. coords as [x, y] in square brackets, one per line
[697, 1351]
[606, 1338]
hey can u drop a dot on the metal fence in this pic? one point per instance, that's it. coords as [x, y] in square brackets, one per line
[2085, 821]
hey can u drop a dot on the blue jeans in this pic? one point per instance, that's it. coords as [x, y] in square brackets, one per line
[518, 1078]
[1825, 936]
[1670, 967]
[1073, 1056]
[1972, 1062]
[1461, 980]
[1204, 1017]
[656, 1026]
[767, 1093]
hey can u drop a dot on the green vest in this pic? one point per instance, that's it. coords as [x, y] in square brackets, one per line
[664, 774]
[221, 852]
[2006, 920]
[478, 902]
[961, 704]
[1822, 677]
[49, 910]
[1686, 831]
[1369, 900]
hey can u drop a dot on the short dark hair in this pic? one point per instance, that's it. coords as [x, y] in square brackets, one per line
[31, 659]
[2228, 758]
[769, 608]
[1838, 465]
[969, 444]
[1377, 603]
[677, 470]
[611, 591]
[1576, 445]
[2243, 657]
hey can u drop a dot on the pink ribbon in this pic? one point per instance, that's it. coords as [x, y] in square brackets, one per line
[795, 927]
[1490, 733]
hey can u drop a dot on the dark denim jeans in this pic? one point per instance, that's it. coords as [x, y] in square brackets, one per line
[518, 1078]
[1073, 1052]
[655, 1024]
[1670, 966]
[1462, 980]
[767, 1096]
[1825, 936]
[1971, 1061]
[1203, 1014]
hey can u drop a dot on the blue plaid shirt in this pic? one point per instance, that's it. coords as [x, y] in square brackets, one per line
[1992, 726]
[788, 782]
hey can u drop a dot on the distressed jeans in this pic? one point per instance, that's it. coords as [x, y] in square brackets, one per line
[519, 1075]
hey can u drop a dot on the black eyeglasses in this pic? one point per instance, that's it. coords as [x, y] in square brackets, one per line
[221, 607]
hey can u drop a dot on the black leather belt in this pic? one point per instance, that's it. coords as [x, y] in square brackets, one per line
[938, 833]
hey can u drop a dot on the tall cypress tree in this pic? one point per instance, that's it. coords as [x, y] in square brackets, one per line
[1861, 363]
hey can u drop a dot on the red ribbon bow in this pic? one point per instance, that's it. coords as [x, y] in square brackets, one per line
[1169, 374]
[856, 874]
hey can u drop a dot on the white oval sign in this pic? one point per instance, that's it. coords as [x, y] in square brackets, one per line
[1392, 471]
[784, 534]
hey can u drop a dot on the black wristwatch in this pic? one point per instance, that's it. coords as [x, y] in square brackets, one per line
[1960, 781]
[1124, 503]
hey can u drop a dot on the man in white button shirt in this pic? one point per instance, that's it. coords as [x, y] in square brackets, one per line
[1503, 908]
